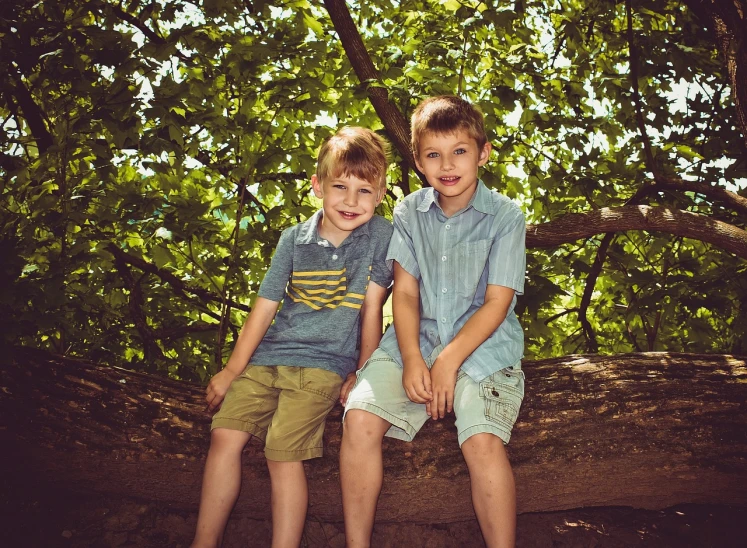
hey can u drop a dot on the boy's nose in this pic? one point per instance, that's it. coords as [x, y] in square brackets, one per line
[351, 198]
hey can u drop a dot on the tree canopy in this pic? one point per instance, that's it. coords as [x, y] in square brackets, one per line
[152, 153]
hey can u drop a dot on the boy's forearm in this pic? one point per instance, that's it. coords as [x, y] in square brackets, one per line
[372, 321]
[251, 334]
[479, 327]
[406, 310]
[371, 326]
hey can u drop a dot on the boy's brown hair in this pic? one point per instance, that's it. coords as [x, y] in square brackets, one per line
[354, 151]
[446, 114]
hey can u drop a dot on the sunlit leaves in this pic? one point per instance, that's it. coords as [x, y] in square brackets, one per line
[184, 134]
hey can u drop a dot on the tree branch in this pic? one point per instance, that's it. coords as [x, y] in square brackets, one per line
[726, 197]
[575, 226]
[135, 303]
[393, 120]
[166, 276]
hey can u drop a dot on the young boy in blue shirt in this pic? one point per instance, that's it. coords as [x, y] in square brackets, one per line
[283, 378]
[459, 261]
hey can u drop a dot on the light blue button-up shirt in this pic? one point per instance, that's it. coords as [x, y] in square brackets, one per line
[454, 258]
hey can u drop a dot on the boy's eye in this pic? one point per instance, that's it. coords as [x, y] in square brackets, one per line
[460, 151]
[432, 155]
[366, 191]
[341, 187]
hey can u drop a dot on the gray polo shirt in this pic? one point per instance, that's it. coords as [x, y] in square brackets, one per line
[454, 258]
[322, 288]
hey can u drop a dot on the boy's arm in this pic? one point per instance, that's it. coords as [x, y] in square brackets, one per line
[475, 332]
[416, 378]
[255, 327]
[372, 323]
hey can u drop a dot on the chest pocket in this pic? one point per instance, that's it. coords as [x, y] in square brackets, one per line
[470, 260]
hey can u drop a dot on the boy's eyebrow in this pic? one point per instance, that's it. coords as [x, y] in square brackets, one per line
[459, 144]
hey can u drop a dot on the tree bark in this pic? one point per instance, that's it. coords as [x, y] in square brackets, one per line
[645, 430]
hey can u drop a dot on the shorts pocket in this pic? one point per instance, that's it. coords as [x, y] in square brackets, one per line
[503, 393]
[321, 382]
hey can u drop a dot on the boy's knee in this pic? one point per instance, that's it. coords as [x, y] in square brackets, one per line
[225, 439]
[362, 426]
[484, 445]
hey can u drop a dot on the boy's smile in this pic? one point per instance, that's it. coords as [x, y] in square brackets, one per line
[450, 162]
[348, 203]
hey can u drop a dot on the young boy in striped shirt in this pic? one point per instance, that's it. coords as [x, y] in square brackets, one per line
[459, 259]
[283, 378]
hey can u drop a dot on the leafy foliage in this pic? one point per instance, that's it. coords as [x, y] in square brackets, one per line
[153, 152]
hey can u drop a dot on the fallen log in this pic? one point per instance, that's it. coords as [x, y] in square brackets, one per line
[646, 430]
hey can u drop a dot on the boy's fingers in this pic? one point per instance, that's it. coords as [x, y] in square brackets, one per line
[428, 408]
[442, 406]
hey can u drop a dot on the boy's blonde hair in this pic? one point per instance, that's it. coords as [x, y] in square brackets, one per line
[354, 151]
[446, 114]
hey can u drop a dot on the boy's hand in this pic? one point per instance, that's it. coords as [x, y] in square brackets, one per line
[347, 386]
[217, 388]
[416, 380]
[443, 382]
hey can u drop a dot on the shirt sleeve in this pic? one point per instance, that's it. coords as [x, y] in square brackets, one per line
[507, 261]
[401, 248]
[381, 269]
[276, 280]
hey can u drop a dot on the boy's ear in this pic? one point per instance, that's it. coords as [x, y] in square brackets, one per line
[485, 154]
[417, 163]
[316, 184]
[380, 194]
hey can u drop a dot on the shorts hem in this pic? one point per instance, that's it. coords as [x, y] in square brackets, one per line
[239, 424]
[285, 455]
[504, 435]
[406, 430]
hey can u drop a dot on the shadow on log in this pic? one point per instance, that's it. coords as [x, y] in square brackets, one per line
[644, 430]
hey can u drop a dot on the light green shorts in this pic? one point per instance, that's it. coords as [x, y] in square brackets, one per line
[489, 406]
[284, 406]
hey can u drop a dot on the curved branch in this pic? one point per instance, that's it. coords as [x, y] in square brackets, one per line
[168, 277]
[135, 303]
[393, 120]
[576, 226]
[726, 197]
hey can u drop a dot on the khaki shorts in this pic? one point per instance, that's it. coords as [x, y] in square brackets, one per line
[284, 406]
[489, 406]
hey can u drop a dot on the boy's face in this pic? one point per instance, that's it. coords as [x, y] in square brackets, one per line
[348, 203]
[450, 162]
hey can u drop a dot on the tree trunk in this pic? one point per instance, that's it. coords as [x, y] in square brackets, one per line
[645, 430]
[727, 19]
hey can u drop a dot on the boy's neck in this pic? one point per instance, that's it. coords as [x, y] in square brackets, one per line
[451, 205]
[331, 234]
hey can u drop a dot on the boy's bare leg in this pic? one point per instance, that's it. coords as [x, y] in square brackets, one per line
[361, 473]
[290, 499]
[220, 485]
[493, 490]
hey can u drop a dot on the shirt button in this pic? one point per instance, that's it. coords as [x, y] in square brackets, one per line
[448, 227]
[334, 256]
[443, 290]
[443, 320]
[443, 258]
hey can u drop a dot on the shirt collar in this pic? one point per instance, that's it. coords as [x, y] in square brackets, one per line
[309, 231]
[481, 200]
